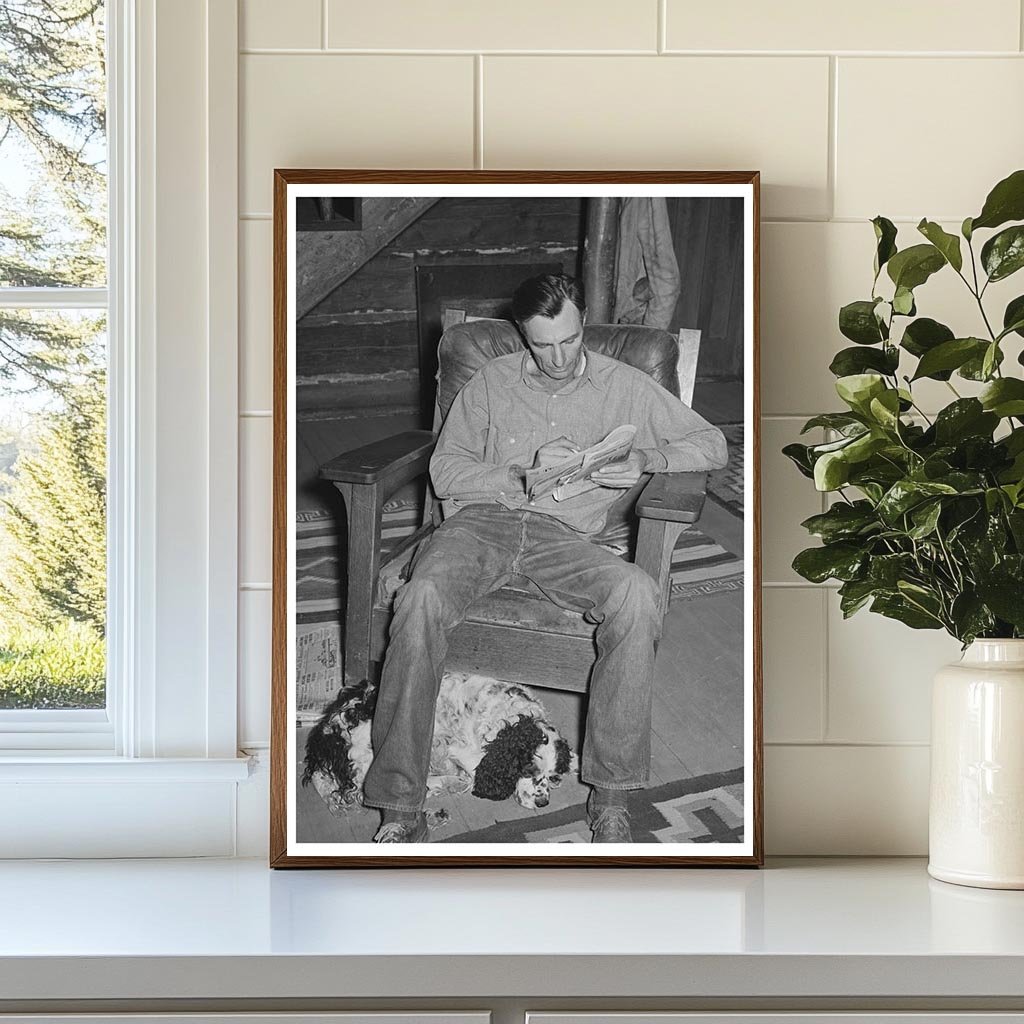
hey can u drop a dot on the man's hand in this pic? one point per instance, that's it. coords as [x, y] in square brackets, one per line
[622, 474]
[554, 451]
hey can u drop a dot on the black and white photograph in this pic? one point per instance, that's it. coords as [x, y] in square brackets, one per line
[516, 567]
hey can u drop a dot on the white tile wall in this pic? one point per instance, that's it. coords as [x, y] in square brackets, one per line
[919, 122]
[471, 25]
[697, 113]
[872, 25]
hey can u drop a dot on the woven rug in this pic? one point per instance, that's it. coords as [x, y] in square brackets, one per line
[705, 809]
[699, 565]
[725, 486]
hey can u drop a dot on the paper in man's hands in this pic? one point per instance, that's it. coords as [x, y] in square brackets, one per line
[571, 476]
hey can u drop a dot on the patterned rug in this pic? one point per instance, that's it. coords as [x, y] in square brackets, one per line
[705, 809]
[725, 486]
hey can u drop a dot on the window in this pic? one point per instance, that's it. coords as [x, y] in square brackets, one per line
[163, 309]
[53, 367]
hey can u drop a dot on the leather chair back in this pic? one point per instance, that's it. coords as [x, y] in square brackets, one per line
[465, 347]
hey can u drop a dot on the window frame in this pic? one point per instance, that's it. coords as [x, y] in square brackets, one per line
[173, 470]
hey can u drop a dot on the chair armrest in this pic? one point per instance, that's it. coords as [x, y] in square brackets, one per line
[403, 455]
[675, 497]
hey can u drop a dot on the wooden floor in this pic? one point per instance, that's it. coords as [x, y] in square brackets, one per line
[697, 721]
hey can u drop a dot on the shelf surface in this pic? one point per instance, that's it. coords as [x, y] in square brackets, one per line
[235, 929]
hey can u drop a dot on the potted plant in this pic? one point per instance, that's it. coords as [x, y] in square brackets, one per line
[927, 521]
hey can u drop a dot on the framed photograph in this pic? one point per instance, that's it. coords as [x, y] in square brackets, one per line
[516, 609]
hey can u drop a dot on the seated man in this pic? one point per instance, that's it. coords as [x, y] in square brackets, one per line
[533, 408]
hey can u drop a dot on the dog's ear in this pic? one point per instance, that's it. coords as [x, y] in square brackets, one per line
[563, 757]
[506, 759]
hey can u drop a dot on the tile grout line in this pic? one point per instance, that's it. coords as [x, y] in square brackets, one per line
[662, 29]
[1020, 24]
[478, 111]
[831, 171]
[323, 24]
[353, 51]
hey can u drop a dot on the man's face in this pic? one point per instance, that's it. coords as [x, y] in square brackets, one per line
[556, 343]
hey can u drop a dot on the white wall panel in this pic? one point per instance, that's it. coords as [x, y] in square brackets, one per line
[794, 663]
[255, 308]
[254, 525]
[471, 25]
[682, 113]
[344, 111]
[846, 800]
[961, 129]
[876, 25]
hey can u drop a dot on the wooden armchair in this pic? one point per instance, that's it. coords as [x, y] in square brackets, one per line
[514, 633]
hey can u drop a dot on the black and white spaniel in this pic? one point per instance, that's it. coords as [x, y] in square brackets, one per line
[489, 736]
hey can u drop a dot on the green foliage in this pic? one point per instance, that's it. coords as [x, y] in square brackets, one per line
[927, 525]
[53, 124]
[62, 667]
[53, 521]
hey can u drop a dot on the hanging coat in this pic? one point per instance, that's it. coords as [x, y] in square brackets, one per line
[647, 274]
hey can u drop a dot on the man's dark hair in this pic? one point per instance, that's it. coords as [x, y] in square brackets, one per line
[545, 295]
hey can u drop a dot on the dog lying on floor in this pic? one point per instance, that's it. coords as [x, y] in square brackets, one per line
[489, 736]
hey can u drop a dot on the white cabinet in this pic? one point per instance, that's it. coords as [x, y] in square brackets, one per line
[787, 1017]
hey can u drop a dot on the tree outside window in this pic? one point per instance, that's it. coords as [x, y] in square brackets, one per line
[53, 215]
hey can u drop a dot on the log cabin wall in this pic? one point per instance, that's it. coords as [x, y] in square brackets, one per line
[356, 350]
[708, 239]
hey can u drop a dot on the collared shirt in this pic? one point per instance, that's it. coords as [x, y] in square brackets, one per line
[504, 414]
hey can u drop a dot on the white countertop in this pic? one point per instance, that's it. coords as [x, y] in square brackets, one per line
[234, 928]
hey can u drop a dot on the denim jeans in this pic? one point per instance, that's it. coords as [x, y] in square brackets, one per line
[474, 552]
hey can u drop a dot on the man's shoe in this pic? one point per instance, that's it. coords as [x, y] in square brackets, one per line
[610, 825]
[414, 831]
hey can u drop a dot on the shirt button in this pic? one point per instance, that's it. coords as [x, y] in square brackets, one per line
[552, 423]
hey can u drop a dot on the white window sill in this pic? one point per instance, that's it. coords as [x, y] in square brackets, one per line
[52, 766]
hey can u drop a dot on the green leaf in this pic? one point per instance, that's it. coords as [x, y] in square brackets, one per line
[923, 335]
[857, 321]
[966, 417]
[925, 518]
[831, 471]
[965, 229]
[949, 356]
[899, 608]
[907, 494]
[1013, 318]
[1006, 599]
[832, 561]
[903, 302]
[854, 595]
[1003, 254]
[849, 361]
[974, 368]
[843, 521]
[841, 421]
[971, 617]
[887, 570]
[1005, 202]
[990, 360]
[1004, 397]
[912, 267]
[947, 244]
[885, 409]
[885, 236]
[799, 455]
[858, 389]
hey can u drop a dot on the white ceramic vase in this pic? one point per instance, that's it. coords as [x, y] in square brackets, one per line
[976, 814]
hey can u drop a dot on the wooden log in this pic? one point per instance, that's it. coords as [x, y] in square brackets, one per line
[599, 254]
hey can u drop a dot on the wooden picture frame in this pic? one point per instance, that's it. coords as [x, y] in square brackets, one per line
[348, 339]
